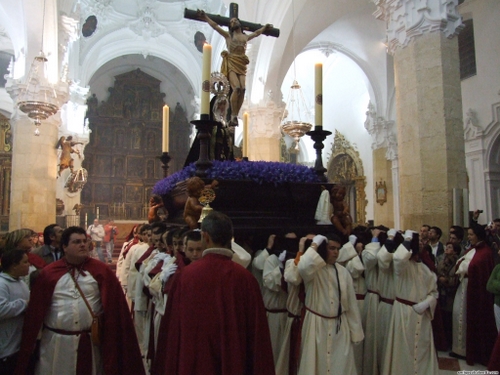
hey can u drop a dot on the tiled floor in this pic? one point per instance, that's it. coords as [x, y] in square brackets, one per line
[463, 365]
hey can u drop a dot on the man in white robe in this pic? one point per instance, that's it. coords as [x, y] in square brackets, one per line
[332, 322]
[410, 344]
[275, 299]
[371, 303]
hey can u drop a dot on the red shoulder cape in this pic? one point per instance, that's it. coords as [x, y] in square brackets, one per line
[119, 348]
[215, 323]
[481, 328]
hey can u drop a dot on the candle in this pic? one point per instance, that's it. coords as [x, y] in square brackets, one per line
[318, 94]
[205, 79]
[245, 135]
[164, 145]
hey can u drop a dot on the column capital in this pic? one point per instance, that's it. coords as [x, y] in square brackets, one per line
[408, 19]
[383, 132]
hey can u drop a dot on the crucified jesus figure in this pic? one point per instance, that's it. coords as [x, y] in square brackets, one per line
[234, 60]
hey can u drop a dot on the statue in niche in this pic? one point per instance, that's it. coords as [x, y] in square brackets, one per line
[151, 140]
[118, 195]
[150, 169]
[92, 103]
[136, 138]
[341, 218]
[119, 139]
[118, 168]
[67, 146]
[127, 105]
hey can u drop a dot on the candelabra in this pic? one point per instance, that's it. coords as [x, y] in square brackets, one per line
[318, 135]
[204, 126]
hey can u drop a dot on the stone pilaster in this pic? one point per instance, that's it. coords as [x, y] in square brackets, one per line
[264, 132]
[385, 158]
[428, 107]
[34, 168]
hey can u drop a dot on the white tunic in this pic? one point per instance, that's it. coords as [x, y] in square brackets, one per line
[460, 305]
[294, 307]
[275, 299]
[385, 287]
[370, 262]
[68, 311]
[410, 344]
[324, 350]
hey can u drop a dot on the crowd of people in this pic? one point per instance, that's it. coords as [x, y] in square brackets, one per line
[192, 301]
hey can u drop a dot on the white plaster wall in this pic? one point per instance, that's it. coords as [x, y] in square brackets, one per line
[480, 93]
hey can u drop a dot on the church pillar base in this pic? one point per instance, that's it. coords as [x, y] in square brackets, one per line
[34, 173]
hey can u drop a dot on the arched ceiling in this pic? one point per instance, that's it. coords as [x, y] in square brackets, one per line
[157, 28]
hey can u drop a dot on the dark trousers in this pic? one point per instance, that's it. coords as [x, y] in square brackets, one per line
[8, 364]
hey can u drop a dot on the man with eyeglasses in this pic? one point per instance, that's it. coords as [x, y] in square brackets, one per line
[64, 299]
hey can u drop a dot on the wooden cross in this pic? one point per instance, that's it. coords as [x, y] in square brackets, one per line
[224, 21]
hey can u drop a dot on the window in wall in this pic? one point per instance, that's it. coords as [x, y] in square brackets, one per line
[5, 58]
[467, 51]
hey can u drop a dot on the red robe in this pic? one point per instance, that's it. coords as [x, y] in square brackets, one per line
[215, 322]
[119, 348]
[481, 328]
[36, 260]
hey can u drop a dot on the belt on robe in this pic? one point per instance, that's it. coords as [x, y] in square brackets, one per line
[405, 302]
[386, 300]
[290, 315]
[276, 311]
[360, 297]
[372, 291]
[322, 316]
[84, 350]
[64, 332]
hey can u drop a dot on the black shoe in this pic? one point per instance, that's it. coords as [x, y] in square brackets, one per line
[455, 355]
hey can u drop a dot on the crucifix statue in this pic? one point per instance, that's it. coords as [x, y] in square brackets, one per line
[234, 60]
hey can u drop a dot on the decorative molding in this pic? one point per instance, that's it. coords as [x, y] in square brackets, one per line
[408, 19]
[472, 130]
[346, 167]
[383, 132]
[265, 120]
[146, 25]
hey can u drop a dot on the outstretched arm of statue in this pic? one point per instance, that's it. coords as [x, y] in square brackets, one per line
[203, 16]
[258, 32]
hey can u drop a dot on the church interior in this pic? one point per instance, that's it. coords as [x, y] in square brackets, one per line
[411, 96]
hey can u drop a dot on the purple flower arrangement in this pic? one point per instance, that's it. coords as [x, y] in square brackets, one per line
[258, 171]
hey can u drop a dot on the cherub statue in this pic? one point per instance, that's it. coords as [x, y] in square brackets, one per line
[77, 207]
[66, 160]
[192, 209]
[157, 211]
[341, 218]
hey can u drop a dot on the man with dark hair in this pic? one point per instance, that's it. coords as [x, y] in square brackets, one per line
[410, 345]
[50, 251]
[437, 246]
[332, 322]
[215, 317]
[61, 302]
[194, 246]
[456, 237]
[424, 235]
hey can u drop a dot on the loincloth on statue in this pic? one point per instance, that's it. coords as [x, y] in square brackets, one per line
[234, 63]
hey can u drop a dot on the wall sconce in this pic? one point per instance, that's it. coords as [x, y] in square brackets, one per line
[381, 192]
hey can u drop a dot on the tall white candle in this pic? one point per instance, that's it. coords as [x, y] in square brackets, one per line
[318, 94]
[245, 134]
[205, 79]
[166, 116]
